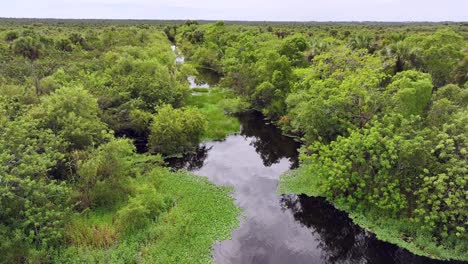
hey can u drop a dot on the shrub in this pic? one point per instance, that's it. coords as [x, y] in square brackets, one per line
[132, 217]
[176, 131]
[145, 207]
[102, 177]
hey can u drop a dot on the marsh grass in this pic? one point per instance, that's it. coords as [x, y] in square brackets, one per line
[200, 213]
[219, 123]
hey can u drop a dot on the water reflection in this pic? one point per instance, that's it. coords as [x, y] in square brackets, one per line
[281, 228]
[267, 139]
[192, 80]
[190, 161]
[340, 240]
[194, 84]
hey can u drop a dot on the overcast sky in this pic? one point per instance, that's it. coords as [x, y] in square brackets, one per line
[259, 10]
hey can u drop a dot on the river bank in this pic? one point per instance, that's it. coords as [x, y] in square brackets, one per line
[406, 234]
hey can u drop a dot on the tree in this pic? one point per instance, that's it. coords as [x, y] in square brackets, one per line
[411, 91]
[372, 167]
[27, 150]
[11, 35]
[34, 208]
[447, 101]
[33, 216]
[103, 175]
[72, 113]
[440, 53]
[64, 45]
[29, 47]
[176, 131]
[293, 47]
[147, 80]
[441, 192]
[362, 41]
[340, 92]
[403, 54]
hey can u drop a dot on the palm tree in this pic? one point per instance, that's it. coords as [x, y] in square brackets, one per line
[361, 41]
[404, 54]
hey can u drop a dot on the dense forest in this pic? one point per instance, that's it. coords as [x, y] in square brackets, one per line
[90, 110]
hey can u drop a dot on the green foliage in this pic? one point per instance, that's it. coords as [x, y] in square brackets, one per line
[72, 113]
[339, 93]
[11, 35]
[441, 202]
[412, 91]
[379, 140]
[171, 217]
[141, 210]
[28, 47]
[201, 90]
[370, 166]
[176, 131]
[103, 176]
[446, 102]
[148, 80]
[404, 183]
[33, 216]
[70, 191]
[64, 45]
[27, 150]
[53, 82]
[362, 40]
[293, 47]
[440, 54]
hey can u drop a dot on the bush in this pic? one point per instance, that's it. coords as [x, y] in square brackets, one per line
[72, 112]
[103, 177]
[176, 131]
[11, 35]
[142, 209]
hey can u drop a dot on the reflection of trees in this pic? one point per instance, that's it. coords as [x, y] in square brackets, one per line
[268, 141]
[190, 161]
[340, 239]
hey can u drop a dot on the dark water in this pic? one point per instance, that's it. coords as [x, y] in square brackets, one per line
[281, 228]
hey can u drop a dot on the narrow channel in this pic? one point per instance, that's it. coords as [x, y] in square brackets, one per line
[274, 228]
[281, 228]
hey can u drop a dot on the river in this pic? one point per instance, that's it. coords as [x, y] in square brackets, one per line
[281, 228]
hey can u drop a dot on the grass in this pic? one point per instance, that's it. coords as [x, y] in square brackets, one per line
[400, 232]
[219, 124]
[201, 214]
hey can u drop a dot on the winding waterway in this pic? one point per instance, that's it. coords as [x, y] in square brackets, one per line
[281, 228]
[193, 83]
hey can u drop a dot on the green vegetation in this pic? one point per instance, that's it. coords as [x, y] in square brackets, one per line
[169, 218]
[211, 105]
[381, 109]
[176, 131]
[73, 189]
[382, 113]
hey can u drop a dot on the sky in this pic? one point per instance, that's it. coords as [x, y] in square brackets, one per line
[252, 10]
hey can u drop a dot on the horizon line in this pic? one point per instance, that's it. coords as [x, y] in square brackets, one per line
[236, 20]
